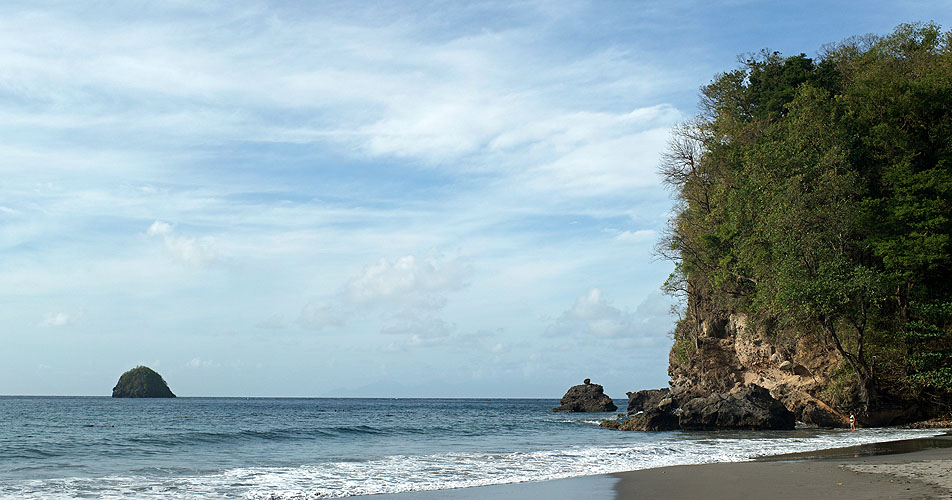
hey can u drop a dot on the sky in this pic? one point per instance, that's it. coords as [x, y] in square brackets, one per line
[368, 199]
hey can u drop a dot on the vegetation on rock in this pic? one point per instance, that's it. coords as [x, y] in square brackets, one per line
[815, 197]
[141, 382]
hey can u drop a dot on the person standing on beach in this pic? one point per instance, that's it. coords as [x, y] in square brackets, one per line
[852, 422]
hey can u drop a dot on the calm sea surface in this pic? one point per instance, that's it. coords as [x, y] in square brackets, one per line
[259, 448]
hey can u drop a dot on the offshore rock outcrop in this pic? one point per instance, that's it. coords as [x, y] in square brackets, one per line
[648, 398]
[141, 382]
[587, 397]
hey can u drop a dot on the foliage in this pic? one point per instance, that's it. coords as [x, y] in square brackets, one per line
[142, 382]
[682, 349]
[929, 346]
[817, 194]
[840, 390]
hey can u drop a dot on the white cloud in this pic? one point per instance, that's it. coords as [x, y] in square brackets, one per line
[455, 103]
[197, 362]
[321, 314]
[424, 326]
[358, 137]
[593, 316]
[638, 236]
[159, 228]
[186, 249]
[56, 319]
[408, 291]
[608, 164]
[409, 280]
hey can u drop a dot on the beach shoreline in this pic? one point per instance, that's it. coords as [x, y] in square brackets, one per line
[904, 469]
[891, 470]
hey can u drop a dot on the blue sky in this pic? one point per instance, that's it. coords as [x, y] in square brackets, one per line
[356, 198]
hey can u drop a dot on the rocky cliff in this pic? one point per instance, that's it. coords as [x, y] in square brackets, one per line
[726, 353]
[723, 352]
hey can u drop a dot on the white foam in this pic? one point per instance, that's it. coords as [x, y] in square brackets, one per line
[398, 474]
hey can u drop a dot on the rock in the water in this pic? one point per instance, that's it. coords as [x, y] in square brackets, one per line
[610, 424]
[141, 382]
[749, 408]
[586, 397]
[652, 419]
[643, 400]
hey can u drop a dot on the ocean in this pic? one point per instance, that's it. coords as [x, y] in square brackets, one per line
[283, 449]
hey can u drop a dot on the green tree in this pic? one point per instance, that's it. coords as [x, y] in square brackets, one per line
[817, 195]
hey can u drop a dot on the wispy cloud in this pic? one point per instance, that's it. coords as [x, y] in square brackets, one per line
[197, 362]
[409, 289]
[186, 249]
[58, 319]
[487, 150]
[409, 280]
[593, 316]
[637, 236]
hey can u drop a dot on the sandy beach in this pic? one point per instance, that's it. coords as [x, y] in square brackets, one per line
[854, 473]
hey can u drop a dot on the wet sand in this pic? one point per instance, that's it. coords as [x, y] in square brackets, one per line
[599, 487]
[902, 470]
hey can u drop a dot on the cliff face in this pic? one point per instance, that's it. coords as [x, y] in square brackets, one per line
[728, 354]
[722, 352]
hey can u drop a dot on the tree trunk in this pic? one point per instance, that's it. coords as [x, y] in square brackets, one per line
[864, 375]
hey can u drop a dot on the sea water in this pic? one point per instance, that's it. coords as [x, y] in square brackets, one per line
[263, 448]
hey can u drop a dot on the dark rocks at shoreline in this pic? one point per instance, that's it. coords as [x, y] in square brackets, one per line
[944, 422]
[750, 407]
[141, 382]
[660, 418]
[648, 398]
[587, 397]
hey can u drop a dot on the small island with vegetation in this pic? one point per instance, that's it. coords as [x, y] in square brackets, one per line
[141, 382]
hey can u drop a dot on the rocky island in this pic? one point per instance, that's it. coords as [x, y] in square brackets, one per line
[141, 382]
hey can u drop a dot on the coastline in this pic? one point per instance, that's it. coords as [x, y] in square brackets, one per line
[903, 469]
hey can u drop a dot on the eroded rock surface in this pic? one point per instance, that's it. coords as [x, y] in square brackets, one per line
[586, 397]
[751, 407]
[648, 398]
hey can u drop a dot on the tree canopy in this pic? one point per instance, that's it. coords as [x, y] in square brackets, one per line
[815, 194]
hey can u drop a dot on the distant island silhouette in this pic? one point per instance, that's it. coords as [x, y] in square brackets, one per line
[141, 382]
